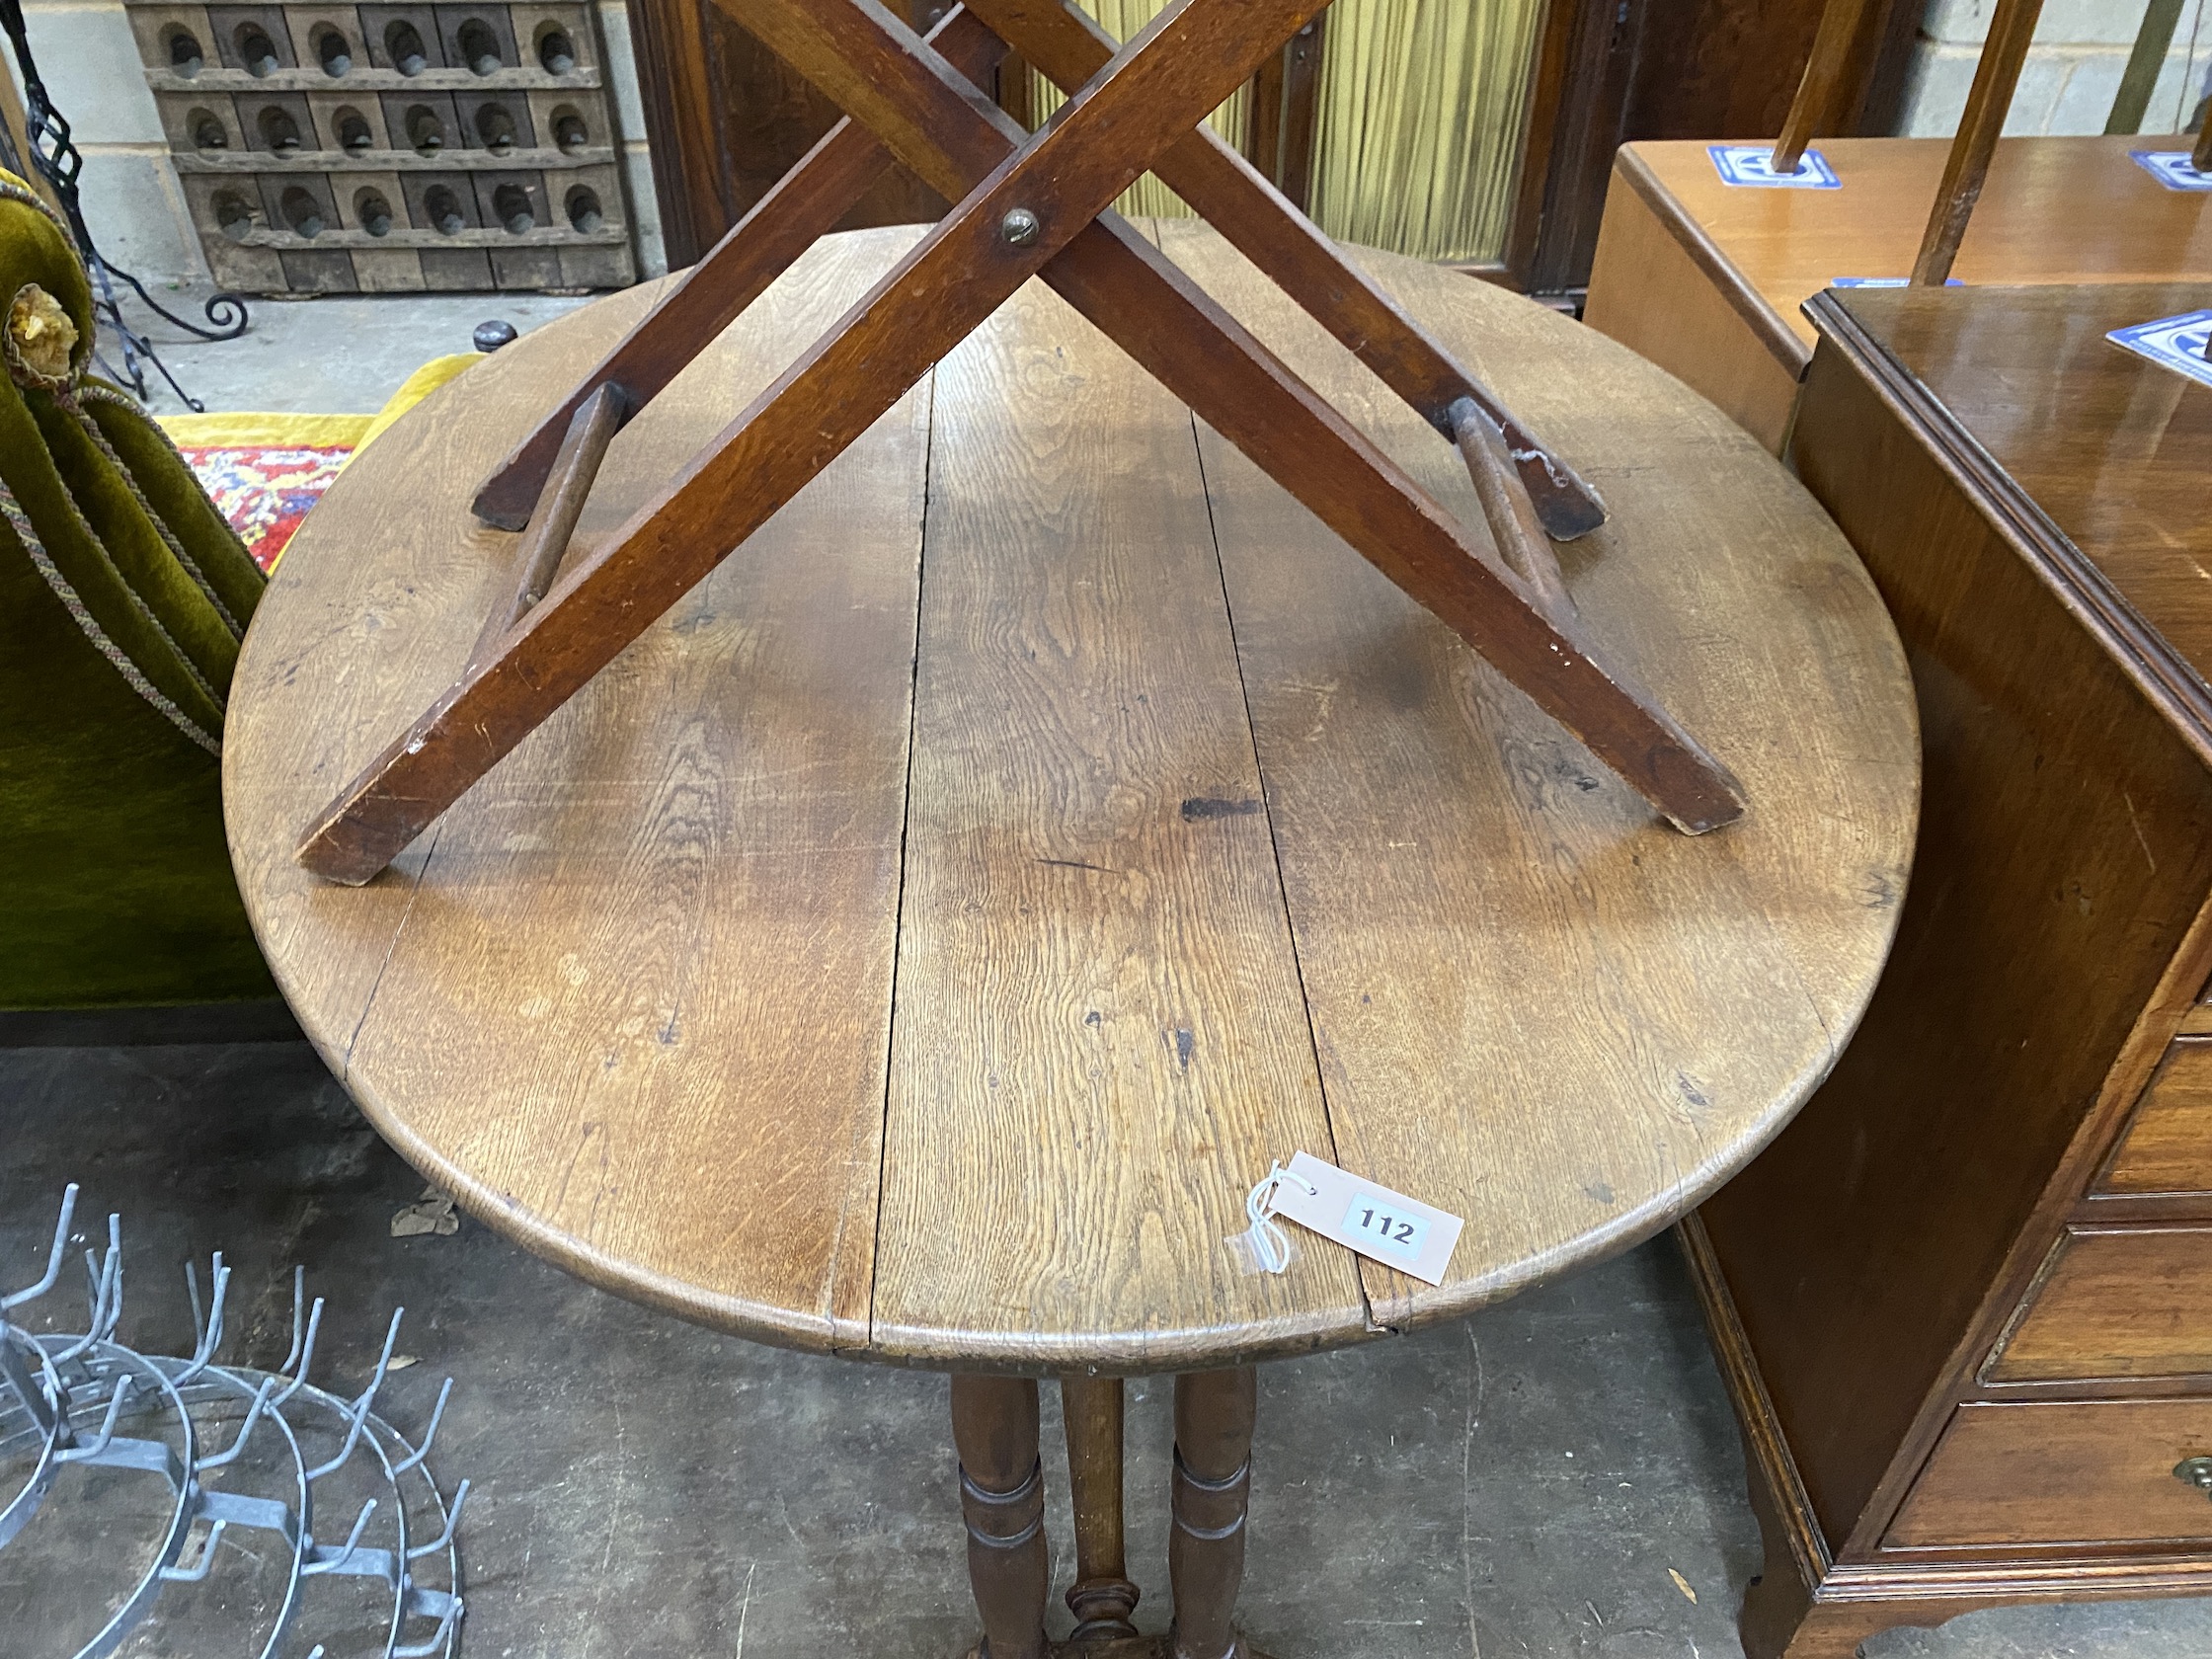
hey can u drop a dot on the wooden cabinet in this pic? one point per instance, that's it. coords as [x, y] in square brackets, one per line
[1709, 280]
[1964, 1303]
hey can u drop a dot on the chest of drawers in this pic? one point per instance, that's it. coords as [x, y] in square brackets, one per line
[1964, 1301]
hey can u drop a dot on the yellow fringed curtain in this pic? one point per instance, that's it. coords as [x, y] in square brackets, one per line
[1123, 19]
[1419, 122]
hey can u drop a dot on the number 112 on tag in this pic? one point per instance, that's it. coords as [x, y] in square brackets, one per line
[1385, 1227]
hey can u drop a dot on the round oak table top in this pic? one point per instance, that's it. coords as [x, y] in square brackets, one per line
[917, 943]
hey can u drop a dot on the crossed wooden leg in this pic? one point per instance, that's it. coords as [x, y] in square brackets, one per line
[1024, 205]
[1255, 217]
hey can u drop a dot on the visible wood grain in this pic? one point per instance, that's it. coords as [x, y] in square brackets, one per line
[1236, 199]
[1103, 1598]
[545, 537]
[1507, 509]
[716, 825]
[820, 403]
[2052, 210]
[2035, 1474]
[1409, 804]
[1099, 1026]
[961, 271]
[2169, 1143]
[2060, 867]
[1828, 72]
[2113, 448]
[943, 130]
[624, 926]
[2116, 1302]
[795, 212]
[2011, 28]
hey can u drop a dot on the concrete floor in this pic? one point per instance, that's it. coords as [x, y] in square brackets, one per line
[1559, 1476]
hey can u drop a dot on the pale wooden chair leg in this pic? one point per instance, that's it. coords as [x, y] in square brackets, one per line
[1214, 1413]
[1102, 1596]
[1827, 71]
[2010, 30]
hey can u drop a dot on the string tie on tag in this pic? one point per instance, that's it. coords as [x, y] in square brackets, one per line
[1270, 1248]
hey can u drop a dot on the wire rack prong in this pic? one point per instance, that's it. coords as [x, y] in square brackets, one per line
[306, 1353]
[299, 1312]
[42, 1411]
[424, 1650]
[88, 1454]
[192, 1575]
[367, 1395]
[53, 1257]
[452, 1520]
[429, 1435]
[330, 1561]
[210, 1330]
[224, 1460]
[104, 1295]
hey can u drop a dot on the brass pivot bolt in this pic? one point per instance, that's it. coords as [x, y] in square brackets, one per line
[1019, 226]
[2194, 1472]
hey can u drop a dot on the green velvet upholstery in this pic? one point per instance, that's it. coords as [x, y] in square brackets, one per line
[122, 597]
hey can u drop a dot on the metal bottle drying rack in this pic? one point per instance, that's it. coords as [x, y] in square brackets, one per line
[115, 1463]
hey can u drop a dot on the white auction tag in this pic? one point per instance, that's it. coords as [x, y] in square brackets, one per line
[1397, 1230]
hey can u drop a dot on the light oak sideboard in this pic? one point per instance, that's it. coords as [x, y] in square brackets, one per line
[1709, 280]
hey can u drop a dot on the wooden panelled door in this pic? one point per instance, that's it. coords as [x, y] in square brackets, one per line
[727, 119]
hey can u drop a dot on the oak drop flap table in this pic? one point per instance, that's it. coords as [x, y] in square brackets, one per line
[916, 944]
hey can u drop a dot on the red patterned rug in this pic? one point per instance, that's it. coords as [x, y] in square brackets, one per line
[266, 488]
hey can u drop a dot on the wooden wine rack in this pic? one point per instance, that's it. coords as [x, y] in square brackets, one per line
[374, 148]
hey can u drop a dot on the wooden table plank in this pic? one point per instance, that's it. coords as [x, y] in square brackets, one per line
[645, 1012]
[658, 940]
[1536, 1005]
[1099, 1042]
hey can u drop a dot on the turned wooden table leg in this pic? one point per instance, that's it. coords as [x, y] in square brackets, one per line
[1103, 1598]
[1213, 1486]
[1002, 1498]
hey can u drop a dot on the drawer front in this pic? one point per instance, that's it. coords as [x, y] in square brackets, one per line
[2167, 1148]
[2123, 1301]
[2062, 1473]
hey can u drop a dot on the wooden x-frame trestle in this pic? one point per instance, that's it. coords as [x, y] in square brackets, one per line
[1024, 205]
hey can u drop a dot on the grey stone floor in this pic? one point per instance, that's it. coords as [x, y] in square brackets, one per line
[321, 356]
[1527, 1483]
